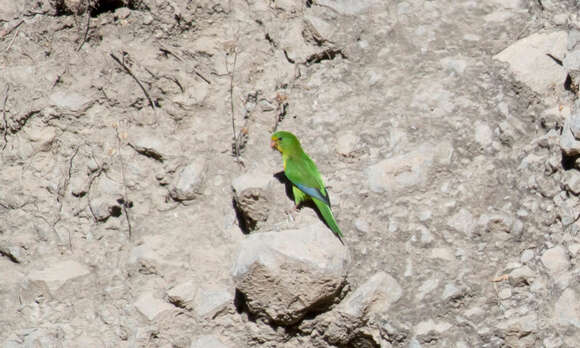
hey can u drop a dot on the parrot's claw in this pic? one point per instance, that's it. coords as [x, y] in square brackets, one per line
[292, 213]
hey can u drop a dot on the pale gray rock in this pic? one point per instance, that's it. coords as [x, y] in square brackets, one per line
[41, 136]
[501, 226]
[556, 260]
[346, 143]
[182, 294]
[207, 341]
[553, 342]
[348, 7]
[320, 29]
[50, 336]
[572, 60]
[431, 326]
[573, 38]
[570, 137]
[79, 185]
[509, 4]
[456, 65]
[567, 309]
[189, 180]
[251, 192]
[521, 276]
[151, 143]
[210, 299]
[442, 253]
[406, 171]
[450, 292]
[151, 306]
[425, 288]
[529, 64]
[254, 179]
[572, 181]
[57, 274]
[103, 208]
[520, 326]
[505, 293]
[462, 221]
[361, 225]
[574, 124]
[284, 275]
[14, 253]
[560, 18]
[152, 254]
[70, 101]
[373, 298]
[483, 134]
[574, 249]
[414, 343]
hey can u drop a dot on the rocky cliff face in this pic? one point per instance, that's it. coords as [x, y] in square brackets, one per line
[140, 204]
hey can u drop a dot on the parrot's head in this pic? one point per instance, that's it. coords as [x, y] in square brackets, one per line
[284, 142]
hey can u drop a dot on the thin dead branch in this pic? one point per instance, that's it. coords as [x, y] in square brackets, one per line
[236, 148]
[13, 28]
[170, 52]
[62, 191]
[128, 71]
[5, 135]
[91, 180]
[67, 178]
[126, 202]
[11, 42]
[202, 77]
[86, 34]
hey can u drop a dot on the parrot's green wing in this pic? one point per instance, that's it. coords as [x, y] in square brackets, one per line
[304, 175]
[302, 172]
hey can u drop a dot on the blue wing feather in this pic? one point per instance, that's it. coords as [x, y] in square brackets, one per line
[313, 192]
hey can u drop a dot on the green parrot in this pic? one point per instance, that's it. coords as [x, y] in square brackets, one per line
[304, 176]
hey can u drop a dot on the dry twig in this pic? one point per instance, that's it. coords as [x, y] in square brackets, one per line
[11, 41]
[91, 180]
[500, 278]
[135, 78]
[168, 51]
[61, 193]
[4, 118]
[126, 201]
[87, 27]
[13, 28]
[236, 143]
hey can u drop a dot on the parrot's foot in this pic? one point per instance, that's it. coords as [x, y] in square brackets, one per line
[292, 213]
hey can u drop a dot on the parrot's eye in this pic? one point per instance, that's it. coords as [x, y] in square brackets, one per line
[280, 139]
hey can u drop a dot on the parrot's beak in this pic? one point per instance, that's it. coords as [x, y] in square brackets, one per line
[273, 144]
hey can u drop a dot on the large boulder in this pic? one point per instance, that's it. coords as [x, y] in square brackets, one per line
[346, 323]
[283, 276]
[529, 63]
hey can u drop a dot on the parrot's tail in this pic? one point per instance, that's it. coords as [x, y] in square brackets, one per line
[328, 217]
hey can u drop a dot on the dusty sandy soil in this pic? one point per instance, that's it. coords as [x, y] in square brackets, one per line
[124, 128]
